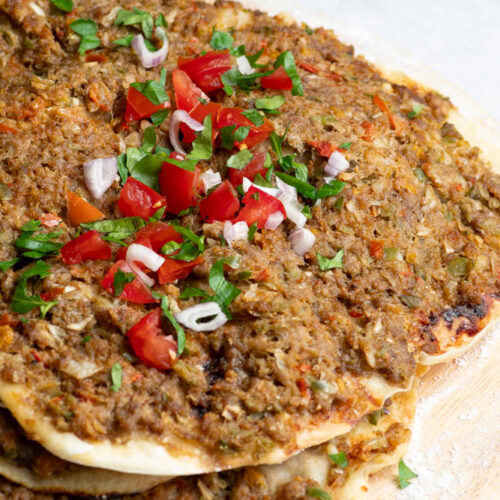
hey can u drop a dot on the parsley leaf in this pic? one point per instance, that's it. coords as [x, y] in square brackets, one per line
[254, 116]
[404, 474]
[37, 245]
[117, 228]
[235, 78]
[31, 226]
[21, 301]
[187, 234]
[148, 169]
[304, 188]
[65, 5]
[240, 160]
[339, 459]
[287, 162]
[120, 280]
[189, 292]
[151, 89]
[159, 117]
[157, 216]
[226, 135]
[187, 164]
[125, 41]
[170, 247]
[345, 145]
[325, 264]
[318, 493]
[181, 335]
[202, 145]
[116, 377]
[415, 111]
[270, 103]
[251, 231]
[127, 18]
[225, 292]
[221, 40]
[149, 140]
[7, 264]
[161, 21]
[330, 189]
[287, 60]
[87, 29]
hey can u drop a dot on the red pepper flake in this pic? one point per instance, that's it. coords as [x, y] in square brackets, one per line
[52, 294]
[262, 276]
[6, 129]
[36, 356]
[303, 386]
[376, 249]
[135, 377]
[50, 220]
[303, 368]
[96, 57]
[334, 76]
[369, 130]
[323, 148]
[355, 314]
[308, 67]
[396, 123]
[458, 187]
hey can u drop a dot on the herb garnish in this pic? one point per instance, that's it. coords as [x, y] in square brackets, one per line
[87, 29]
[37, 245]
[225, 292]
[287, 162]
[415, 111]
[240, 160]
[325, 264]
[339, 459]
[202, 145]
[251, 231]
[318, 493]
[230, 134]
[254, 116]
[128, 18]
[151, 89]
[120, 280]
[125, 41]
[117, 228]
[404, 474]
[270, 103]
[221, 40]
[116, 377]
[65, 5]
[181, 335]
[287, 60]
[309, 191]
[7, 264]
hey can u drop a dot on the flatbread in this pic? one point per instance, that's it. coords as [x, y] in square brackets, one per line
[178, 455]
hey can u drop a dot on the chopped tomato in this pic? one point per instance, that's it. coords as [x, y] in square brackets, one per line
[222, 204]
[307, 67]
[323, 148]
[256, 166]
[258, 207]
[50, 220]
[205, 71]
[234, 116]
[376, 249]
[278, 80]
[135, 291]
[173, 269]
[156, 235]
[139, 106]
[81, 211]
[369, 131]
[187, 94]
[88, 246]
[95, 57]
[137, 199]
[180, 186]
[150, 345]
[199, 113]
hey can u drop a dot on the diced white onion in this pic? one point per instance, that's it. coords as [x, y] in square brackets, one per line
[192, 316]
[180, 116]
[244, 65]
[302, 241]
[336, 164]
[79, 369]
[293, 209]
[37, 9]
[151, 59]
[285, 188]
[210, 179]
[247, 184]
[274, 220]
[144, 255]
[99, 175]
[234, 232]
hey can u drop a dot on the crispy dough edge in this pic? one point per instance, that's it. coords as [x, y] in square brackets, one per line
[172, 457]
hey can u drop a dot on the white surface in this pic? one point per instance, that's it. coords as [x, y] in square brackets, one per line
[458, 38]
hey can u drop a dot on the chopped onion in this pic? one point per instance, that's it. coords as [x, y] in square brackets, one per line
[336, 164]
[247, 184]
[143, 254]
[244, 65]
[210, 179]
[293, 209]
[302, 241]
[274, 220]
[79, 369]
[151, 59]
[37, 9]
[177, 117]
[192, 316]
[99, 175]
[285, 188]
[234, 232]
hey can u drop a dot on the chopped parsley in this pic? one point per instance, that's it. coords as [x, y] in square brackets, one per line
[309, 191]
[415, 111]
[270, 103]
[251, 231]
[153, 90]
[287, 162]
[189, 249]
[157, 216]
[240, 160]
[325, 264]
[307, 212]
[161, 21]
[65, 5]
[230, 134]
[404, 474]
[318, 493]
[116, 377]
[39, 245]
[119, 229]
[159, 117]
[225, 292]
[128, 17]
[202, 145]
[120, 281]
[221, 40]
[7, 264]
[87, 29]
[345, 145]
[235, 78]
[181, 335]
[21, 301]
[254, 116]
[339, 459]
[125, 41]
[170, 247]
[287, 60]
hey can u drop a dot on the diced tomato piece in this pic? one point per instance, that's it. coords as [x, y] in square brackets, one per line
[180, 186]
[88, 246]
[256, 166]
[139, 106]
[187, 94]
[323, 148]
[135, 291]
[234, 116]
[376, 249]
[258, 207]
[279, 80]
[137, 199]
[156, 235]
[173, 269]
[81, 211]
[199, 113]
[205, 71]
[150, 345]
[222, 204]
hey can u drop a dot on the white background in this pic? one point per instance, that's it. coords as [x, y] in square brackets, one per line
[458, 38]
